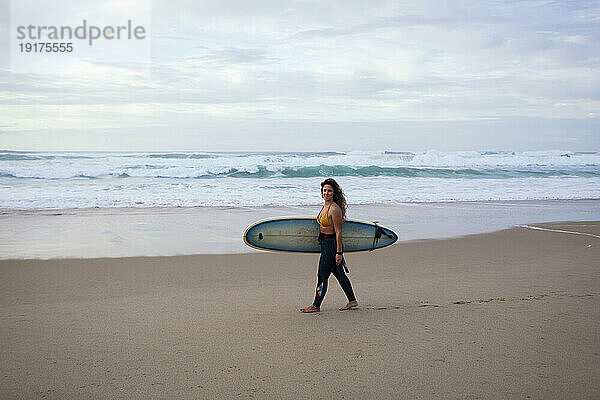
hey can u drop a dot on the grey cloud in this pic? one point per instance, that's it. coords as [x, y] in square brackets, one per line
[380, 23]
[212, 9]
[234, 55]
[161, 36]
[466, 63]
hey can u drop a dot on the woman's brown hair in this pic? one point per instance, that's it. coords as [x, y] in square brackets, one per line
[338, 194]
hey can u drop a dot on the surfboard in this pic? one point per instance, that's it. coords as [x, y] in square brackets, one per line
[299, 235]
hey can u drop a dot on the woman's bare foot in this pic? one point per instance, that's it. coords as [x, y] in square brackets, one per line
[350, 305]
[310, 309]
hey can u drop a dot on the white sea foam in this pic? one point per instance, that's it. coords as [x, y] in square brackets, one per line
[80, 180]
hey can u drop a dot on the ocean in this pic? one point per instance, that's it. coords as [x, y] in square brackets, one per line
[65, 180]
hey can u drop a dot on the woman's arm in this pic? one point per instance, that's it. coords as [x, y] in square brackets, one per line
[336, 216]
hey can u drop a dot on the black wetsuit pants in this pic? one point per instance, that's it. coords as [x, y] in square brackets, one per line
[326, 267]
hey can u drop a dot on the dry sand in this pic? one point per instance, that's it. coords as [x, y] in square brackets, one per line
[508, 315]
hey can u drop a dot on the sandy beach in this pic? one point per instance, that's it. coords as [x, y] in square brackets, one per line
[150, 149]
[513, 314]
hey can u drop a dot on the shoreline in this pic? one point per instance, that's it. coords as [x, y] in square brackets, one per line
[4, 211]
[547, 226]
[509, 314]
[115, 232]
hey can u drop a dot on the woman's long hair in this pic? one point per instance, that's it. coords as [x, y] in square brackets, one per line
[338, 195]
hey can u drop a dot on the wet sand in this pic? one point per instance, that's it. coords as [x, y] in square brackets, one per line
[513, 314]
[170, 231]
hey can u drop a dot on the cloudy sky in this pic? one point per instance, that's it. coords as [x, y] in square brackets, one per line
[314, 75]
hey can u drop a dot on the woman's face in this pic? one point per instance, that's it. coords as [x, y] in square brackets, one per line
[327, 192]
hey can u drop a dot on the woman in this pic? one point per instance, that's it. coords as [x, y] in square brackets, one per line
[330, 221]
